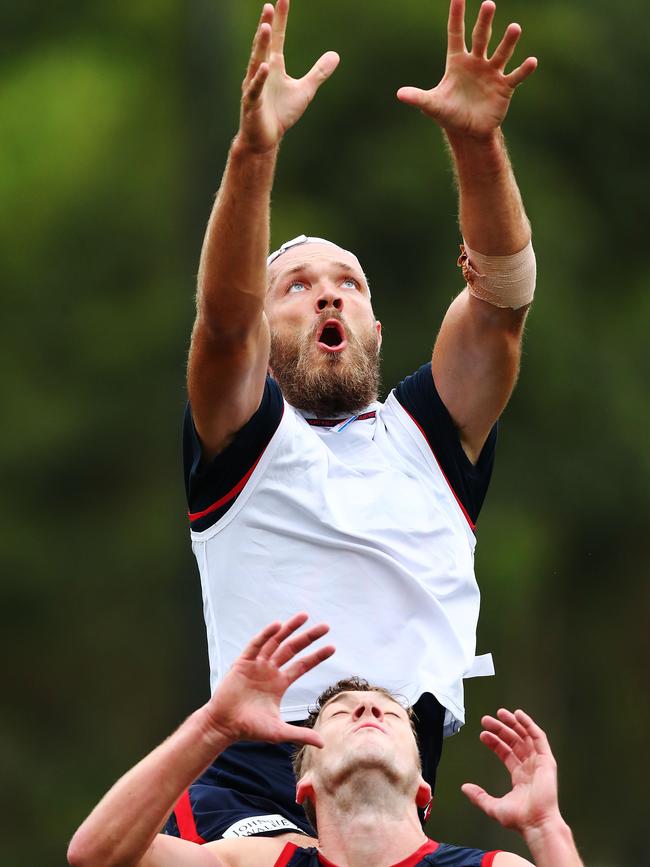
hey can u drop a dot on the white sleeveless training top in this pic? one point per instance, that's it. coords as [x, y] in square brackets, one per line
[356, 525]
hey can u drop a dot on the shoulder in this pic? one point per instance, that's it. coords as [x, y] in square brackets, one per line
[468, 480]
[509, 859]
[212, 485]
[246, 851]
[254, 851]
[417, 389]
[448, 855]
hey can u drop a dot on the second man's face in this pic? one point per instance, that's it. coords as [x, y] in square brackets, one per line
[365, 732]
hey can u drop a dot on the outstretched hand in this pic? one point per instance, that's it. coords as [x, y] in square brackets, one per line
[475, 92]
[246, 705]
[272, 101]
[523, 748]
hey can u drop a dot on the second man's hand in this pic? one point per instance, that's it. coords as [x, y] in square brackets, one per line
[272, 101]
[475, 92]
[246, 704]
[123, 828]
[531, 806]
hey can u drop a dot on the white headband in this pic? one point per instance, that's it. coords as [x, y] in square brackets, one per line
[305, 239]
[296, 242]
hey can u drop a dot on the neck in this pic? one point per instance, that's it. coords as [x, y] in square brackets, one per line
[367, 821]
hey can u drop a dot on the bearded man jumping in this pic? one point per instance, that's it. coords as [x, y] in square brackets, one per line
[303, 488]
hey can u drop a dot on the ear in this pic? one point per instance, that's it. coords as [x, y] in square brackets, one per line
[423, 795]
[305, 789]
[379, 338]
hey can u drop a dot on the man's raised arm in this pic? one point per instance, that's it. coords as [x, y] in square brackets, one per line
[531, 806]
[476, 356]
[123, 827]
[230, 340]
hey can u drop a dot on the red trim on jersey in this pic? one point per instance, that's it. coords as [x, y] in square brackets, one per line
[286, 855]
[412, 860]
[232, 493]
[332, 422]
[185, 819]
[429, 847]
[463, 509]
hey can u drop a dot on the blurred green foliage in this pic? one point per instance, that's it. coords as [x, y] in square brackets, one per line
[114, 125]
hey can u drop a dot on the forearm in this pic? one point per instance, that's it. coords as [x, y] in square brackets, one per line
[125, 822]
[552, 845]
[232, 270]
[492, 216]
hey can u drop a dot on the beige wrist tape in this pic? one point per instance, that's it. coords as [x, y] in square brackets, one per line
[505, 281]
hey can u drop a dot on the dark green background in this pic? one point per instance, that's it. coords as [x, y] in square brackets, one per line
[115, 120]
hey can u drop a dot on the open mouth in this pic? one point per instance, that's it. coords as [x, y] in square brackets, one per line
[332, 336]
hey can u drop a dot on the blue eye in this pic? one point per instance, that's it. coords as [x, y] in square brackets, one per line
[297, 286]
[350, 283]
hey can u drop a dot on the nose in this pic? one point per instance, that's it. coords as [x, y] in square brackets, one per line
[367, 708]
[329, 297]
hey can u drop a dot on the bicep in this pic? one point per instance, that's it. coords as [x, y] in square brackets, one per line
[508, 859]
[475, 365]
[167, 851]
[225, 378]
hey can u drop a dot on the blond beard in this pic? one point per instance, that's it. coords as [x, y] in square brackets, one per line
[342, 383]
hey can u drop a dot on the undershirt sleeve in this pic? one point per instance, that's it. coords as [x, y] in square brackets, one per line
[212, 487]
[447, 855]
[419, 397]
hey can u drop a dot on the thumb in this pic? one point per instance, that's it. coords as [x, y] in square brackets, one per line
[412, 96]
[479, 797]
[301, 735]
[321, 70]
